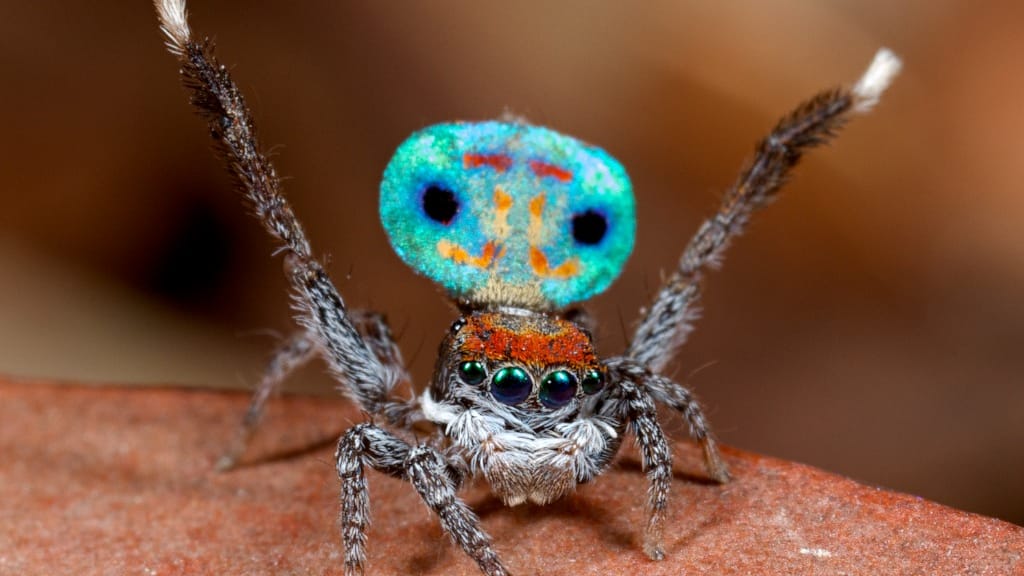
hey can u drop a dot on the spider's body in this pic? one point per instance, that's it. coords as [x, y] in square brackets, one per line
[516, 222]
[504, 213]
[518, 397]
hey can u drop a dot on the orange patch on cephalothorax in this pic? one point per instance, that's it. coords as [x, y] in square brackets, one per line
[499, 162]
[494, 339]
[545, 170]
[460, 255]
[543, 269]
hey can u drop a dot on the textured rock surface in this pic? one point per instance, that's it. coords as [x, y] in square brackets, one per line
[97, 480]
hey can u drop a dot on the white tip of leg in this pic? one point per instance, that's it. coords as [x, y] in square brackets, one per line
[174, 23]
[876, 79]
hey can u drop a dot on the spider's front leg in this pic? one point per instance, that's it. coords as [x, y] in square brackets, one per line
[434, 477]
[368, 380]
[666, 323]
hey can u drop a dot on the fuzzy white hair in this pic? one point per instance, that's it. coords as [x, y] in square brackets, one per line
[883, 69]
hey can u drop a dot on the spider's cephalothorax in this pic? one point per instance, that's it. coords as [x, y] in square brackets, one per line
[517, 222]
[518, 395]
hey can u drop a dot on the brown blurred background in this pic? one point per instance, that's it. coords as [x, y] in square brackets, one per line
[870, 323]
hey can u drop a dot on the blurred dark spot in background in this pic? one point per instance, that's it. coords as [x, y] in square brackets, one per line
[870, 322]
[191, 265]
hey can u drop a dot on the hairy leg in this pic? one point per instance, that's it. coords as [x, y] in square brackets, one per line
[291, 354]
[214, 94]
[678, 398]
[434, 478]
[666, 323]
[294, 353]
[637, 407]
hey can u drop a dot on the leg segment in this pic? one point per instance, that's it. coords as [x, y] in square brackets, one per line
[376, 332]
[217, 98]
[291, 354]
[680, 399]
[639, 409]
[666, 323]
[294, 353]
[433, 477]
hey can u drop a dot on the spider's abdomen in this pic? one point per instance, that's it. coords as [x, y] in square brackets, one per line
[508, 214]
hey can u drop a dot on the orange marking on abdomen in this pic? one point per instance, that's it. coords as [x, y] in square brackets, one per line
[537, 206]
[459, 254]
[502, 205]
[499, 162]
[541, 267]
[544, 170]
[533, 231]
[502, 201]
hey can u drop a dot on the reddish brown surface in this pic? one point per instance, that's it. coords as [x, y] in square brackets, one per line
[119, 481]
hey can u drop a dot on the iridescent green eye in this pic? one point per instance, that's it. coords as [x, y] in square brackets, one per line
[472, 372]
[593, 381]
[511, 385]
[557, 389]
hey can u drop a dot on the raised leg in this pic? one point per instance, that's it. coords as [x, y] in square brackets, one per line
[323, 312]
[666, 323]
[434, 478]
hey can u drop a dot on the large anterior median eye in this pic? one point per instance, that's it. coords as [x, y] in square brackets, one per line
[589, 227]
[557, 389]
[511, 385]
[440, 204]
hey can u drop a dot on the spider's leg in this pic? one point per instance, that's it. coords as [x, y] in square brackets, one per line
[682, 400]
[376, 333]
[291, 354]
[431, 474]
[639, 410]
[214, 94]
[373, 327]
[665, 324]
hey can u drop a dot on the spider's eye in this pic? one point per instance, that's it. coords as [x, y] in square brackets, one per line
[511, 385]
[589, 227]
[557, 389]
[472, 372]
[440, 204]
[593, 381]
